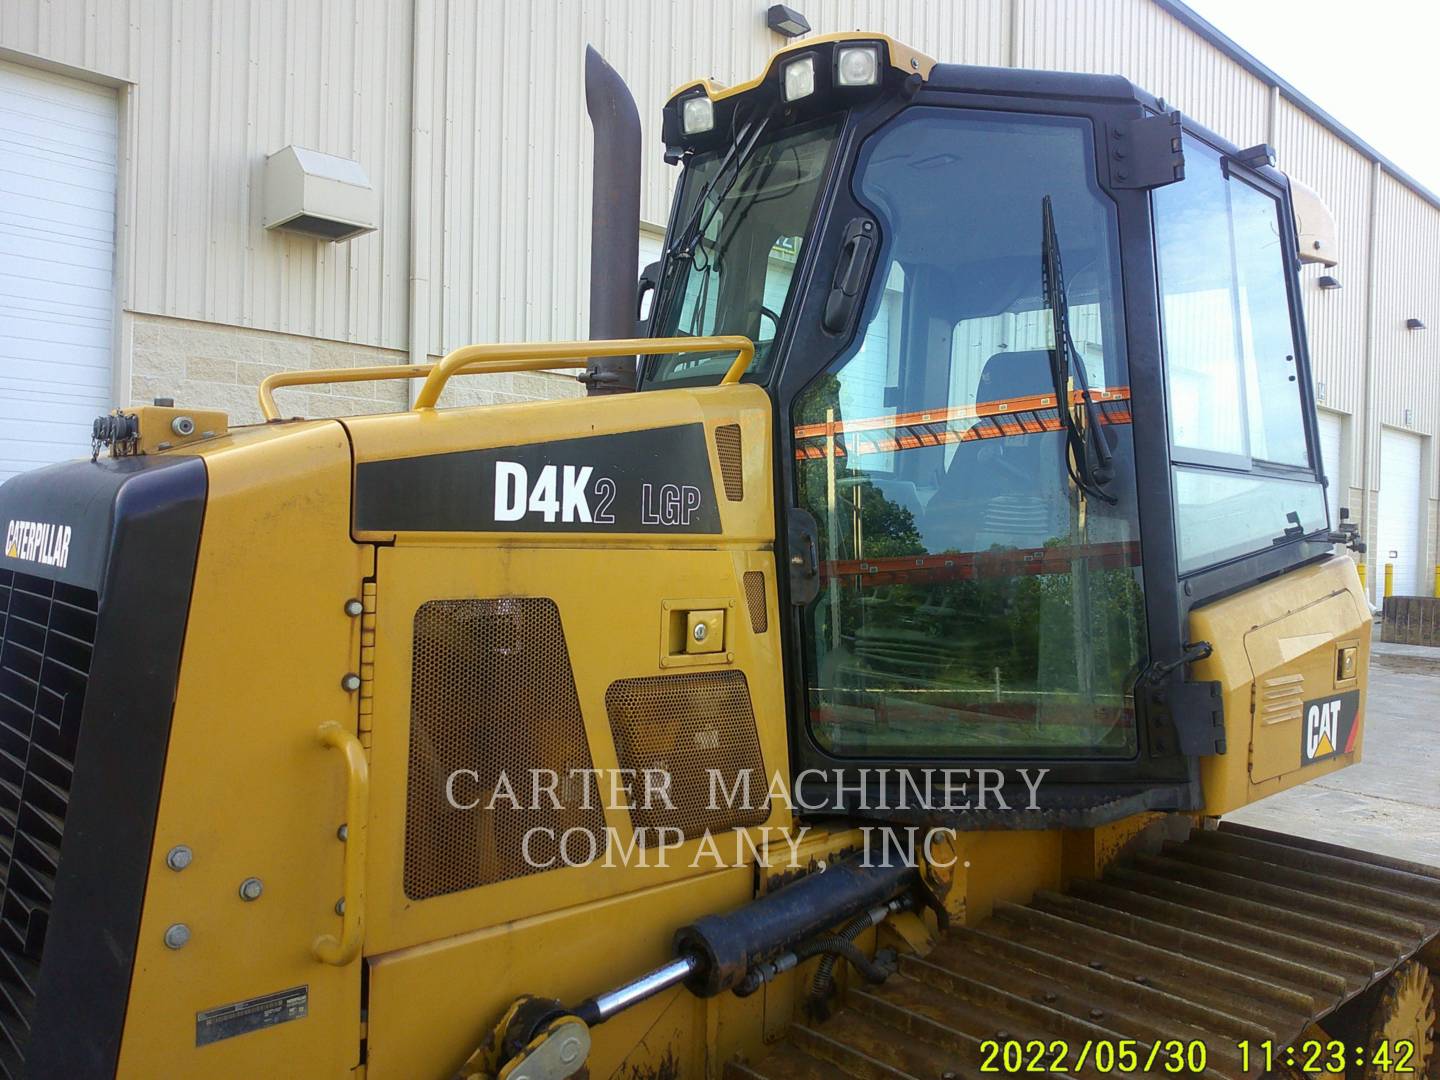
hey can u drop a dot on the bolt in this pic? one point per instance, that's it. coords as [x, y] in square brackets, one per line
[1122, 175]
[343, 833]
[354, 608]
[178, 857]
[1049, 997]
[251, 888]
[177, 936]
[701, 631]
[1098, 965]
[340, 906]
[350, 682]
[1097, 1014]
[1143, 980]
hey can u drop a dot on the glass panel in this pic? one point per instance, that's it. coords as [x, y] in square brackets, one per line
[1229, 343]
[1197, 278]
[738, 279]
[1222, 515]
[972, 604]
[1277, 422]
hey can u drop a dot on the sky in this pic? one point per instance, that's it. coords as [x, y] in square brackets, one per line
[1374, 65]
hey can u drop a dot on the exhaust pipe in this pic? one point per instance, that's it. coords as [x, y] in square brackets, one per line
[614, 221]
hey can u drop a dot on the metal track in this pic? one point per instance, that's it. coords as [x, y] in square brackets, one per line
[1234, 934]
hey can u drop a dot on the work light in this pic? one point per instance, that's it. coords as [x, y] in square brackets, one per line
[697, 115]
[857, 65]
[799, 78]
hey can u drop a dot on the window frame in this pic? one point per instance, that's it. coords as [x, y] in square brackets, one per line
[1227, 575]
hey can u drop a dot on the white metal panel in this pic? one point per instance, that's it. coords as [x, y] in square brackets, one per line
[1331, 441]
[1400, 502]
[57, 249]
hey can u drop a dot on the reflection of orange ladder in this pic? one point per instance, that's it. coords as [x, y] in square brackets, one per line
[970, 565]
[962, 423]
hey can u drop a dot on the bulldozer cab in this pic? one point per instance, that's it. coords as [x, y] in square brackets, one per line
[1040, 380]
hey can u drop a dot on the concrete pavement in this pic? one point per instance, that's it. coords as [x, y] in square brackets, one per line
[1390, 802]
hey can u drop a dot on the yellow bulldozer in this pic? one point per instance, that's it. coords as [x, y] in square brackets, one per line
[849, 685]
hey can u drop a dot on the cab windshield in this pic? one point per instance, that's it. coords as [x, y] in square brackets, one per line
[736, 277]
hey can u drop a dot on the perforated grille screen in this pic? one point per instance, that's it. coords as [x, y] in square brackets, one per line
[493, 706]
[755, 601]
[47, 631]
[727, 449]
[684, 726]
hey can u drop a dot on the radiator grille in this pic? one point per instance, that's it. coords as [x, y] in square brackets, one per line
[755, 601]
[47, 631]
[686, 726]
[492, 693]
[727, 449]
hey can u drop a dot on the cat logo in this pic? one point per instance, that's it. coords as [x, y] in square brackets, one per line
[1321, 729]
[1331, 727]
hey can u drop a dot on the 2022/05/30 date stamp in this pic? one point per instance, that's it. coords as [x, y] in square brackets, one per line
[1177, 1057]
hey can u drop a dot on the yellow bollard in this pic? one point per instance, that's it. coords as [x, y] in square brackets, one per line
[1437, 579]
[1360, 569]
[1389, 579]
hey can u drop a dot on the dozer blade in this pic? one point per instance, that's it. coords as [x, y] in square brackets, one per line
[1236, 934]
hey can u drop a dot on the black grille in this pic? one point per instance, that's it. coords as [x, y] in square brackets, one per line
[47, 630]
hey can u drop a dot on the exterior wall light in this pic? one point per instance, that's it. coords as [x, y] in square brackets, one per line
[1414, 324]
[1328, 282]
[786, 21]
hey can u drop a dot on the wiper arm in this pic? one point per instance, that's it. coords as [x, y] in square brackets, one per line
[683, 244]
[1088, 477]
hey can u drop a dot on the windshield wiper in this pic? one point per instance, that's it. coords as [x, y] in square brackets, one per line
[683, 245]
[1089, 476]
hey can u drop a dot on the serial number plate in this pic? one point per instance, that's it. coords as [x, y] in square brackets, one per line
[240, 1017]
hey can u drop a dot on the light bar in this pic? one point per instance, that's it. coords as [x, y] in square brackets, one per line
[799, 78]
[697, 115]
[857, 65]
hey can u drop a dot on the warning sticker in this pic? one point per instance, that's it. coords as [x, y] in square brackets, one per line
[226, 1021]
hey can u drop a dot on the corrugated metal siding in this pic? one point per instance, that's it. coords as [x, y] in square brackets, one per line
[1136, 39]
[1335, 318]
[512, 148]
[1406, 361]
[97, 35]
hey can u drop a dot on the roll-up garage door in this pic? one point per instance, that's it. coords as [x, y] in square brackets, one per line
[57, 250]
[1400, 503]
[1335, 495]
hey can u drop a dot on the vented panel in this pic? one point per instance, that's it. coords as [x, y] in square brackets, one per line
[47, 631]
[755, 601]
[492, 694]
[727, 449]
[685, 726]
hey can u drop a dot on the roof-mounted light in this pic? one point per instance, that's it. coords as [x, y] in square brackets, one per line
[697, 115]
[798, 78]
[857, 65]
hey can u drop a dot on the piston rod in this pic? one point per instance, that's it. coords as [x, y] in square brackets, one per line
[602, 1007]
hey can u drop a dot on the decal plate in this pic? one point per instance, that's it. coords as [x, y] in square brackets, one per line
[242, 1017]
[1330, 727]
[629, 482]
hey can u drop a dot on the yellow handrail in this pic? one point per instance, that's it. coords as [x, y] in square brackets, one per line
[488, 359]
[327, 947]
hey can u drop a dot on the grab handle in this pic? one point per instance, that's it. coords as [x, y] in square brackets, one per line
[327, 947]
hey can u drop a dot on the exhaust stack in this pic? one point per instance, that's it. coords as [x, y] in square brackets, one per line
[614, 221]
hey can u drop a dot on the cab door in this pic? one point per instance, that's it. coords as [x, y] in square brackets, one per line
[958, 597]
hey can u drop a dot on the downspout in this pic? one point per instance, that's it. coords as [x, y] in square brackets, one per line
[614, 221]
[421, 112]
[1371, 296]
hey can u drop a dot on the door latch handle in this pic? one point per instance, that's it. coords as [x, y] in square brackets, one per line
[857, 252]
[804, 548]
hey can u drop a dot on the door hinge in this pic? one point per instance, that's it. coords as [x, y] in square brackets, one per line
[1147, 152]
[365, 725]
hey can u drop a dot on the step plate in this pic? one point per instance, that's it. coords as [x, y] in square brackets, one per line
[1236, 934]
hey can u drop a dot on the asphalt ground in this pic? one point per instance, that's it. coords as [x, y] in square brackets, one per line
[1390, 802]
